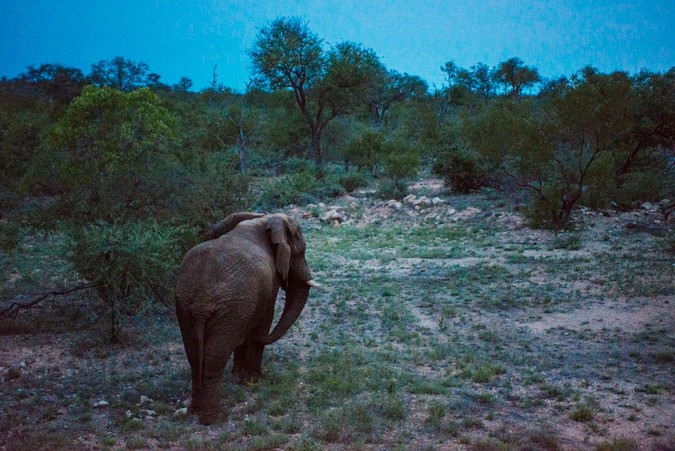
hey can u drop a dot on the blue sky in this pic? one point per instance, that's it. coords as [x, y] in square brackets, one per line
[187, 38]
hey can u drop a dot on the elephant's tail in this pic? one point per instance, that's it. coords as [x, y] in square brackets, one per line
[200, 325]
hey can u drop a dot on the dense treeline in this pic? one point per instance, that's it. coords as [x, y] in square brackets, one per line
[131, 169]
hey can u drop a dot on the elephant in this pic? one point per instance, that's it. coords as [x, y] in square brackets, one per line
[225, 297]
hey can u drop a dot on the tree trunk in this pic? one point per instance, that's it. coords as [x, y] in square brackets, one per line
[241, 142]
[316, 148]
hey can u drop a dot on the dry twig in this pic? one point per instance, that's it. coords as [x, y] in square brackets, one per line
[16, 307]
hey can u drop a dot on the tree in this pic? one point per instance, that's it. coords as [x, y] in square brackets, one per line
[57, 83]
[119, 73]
[515, 76]
[241, 123]
[653, 112]
[184, 84]
[552, 149]
[389, 87]
[325, 84]
[466, 84]
[29, 104]
[129, 199]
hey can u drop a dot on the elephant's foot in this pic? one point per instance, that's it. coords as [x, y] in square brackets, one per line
[209, 418]
[247, 376]
[206, 405]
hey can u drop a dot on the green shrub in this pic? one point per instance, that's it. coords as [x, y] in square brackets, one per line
[353, 180]
[402, 160]
[462, 168]
[543, 210]
[647, 181]
[302, 188]
[618, 444]
[583, 414]
[366, 150]
[131, 263]
[391, 189]
[601, 183]
[640, 186]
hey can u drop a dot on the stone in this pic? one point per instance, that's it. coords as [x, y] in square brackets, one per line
[409, 199]
[396, 205]
[102, 403]
[145, 400]
[333, 215]
[436, 201]
[424, 200]
[180, 413]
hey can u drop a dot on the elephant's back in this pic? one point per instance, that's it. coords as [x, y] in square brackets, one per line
[224, 270]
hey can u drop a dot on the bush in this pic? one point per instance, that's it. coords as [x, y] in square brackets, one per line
[131, 263]
[647, 181]
[353, 180]
[366, 150]
[390, 189]
[400, 164]
[305, 187]
[402, 160]
[463, 169]
[543, 210]
[641, 186]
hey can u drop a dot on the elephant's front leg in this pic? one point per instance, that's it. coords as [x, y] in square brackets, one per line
[248, 361]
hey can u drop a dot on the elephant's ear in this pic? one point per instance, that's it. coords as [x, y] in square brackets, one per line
[278, 233]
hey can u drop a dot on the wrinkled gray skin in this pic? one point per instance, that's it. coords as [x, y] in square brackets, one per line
[225, 295]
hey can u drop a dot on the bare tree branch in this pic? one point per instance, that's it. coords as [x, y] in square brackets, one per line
[16, 307]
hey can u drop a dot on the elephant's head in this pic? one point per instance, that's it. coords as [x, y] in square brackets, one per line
[289, 256]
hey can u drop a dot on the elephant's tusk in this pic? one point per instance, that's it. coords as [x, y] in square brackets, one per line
[313, 284]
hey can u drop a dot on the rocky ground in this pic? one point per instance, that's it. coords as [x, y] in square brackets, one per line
[445, 323]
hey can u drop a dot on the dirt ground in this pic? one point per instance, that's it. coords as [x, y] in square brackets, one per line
[446, 325]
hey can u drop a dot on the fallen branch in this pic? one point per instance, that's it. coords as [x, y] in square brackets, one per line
[16, 307]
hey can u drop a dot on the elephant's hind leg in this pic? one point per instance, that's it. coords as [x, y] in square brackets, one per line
[220, 340]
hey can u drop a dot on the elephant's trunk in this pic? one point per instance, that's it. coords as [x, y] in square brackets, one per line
[296, 298]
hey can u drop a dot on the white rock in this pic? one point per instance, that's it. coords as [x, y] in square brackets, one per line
[145, 399]
[436, 201]
[333, 215]
[182, 412]
[102, 403]
[396, 205]
[409, 199]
